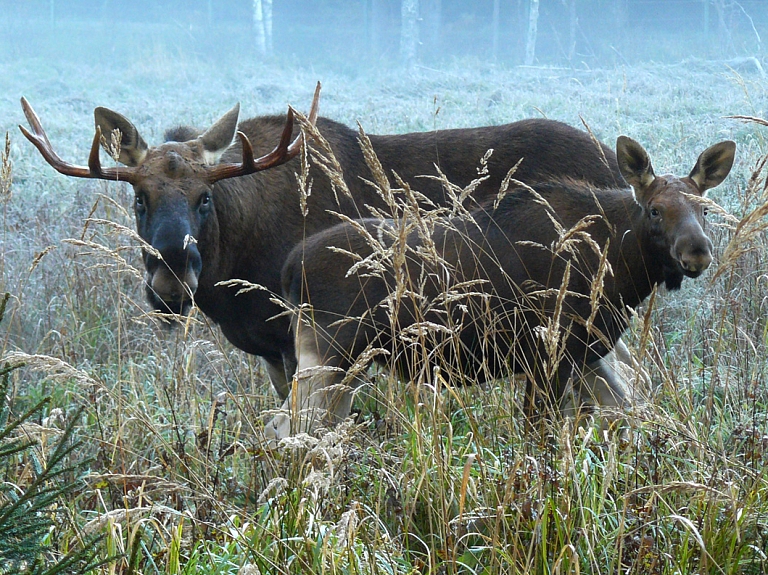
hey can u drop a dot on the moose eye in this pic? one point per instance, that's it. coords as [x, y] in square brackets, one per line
[706, 211]
[205, 203]
[655, 213]
[139, 204]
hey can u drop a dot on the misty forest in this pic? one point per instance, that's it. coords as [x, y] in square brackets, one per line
[538, 355]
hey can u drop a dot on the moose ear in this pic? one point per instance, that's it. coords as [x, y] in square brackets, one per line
[218, 137]
[133, 148]
[634, 164]
[713, 165]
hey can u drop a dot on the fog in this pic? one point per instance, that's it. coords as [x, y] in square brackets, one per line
[423, 481]
[363, 35]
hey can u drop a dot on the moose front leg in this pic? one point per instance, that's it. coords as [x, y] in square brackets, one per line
[603, 383]
[280, 373]
[612, 381]
[318, 396]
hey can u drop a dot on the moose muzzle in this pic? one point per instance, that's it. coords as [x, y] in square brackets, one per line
[694, 253]
[173, 279]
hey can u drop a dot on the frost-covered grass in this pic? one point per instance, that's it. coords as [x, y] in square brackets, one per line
[442, 482]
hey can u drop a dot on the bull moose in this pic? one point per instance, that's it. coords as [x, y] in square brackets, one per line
[536, 284]
[244, 213]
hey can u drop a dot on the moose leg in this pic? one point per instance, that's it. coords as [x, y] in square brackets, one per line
[608, 382]
[318, 396]
[548, 392]
[279, 375]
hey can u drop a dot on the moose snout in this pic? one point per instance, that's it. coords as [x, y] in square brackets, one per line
[694, 256]
[175, 274]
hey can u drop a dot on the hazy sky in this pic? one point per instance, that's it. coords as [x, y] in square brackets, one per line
[358, 33]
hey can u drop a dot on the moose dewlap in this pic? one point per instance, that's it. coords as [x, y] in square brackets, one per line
[536, 285]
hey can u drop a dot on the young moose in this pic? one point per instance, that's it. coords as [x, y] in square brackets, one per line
[537, 285]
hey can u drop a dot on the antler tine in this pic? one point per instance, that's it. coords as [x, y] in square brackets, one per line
[294, 148]
[94, 162]
[282, 153]
[315, 105]
[33, 120]
[40, 140]
[248, 162]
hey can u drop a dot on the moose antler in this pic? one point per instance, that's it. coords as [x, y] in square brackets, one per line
[94, 170]
[282, 153]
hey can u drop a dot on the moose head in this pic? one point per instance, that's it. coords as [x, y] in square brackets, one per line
[174, 186]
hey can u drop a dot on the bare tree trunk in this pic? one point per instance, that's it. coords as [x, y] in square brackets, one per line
[533, 25]
[496, 29]
[723, 33]
[573, 26]
[515, 34]
[431, 21]
[258, 27]
[267, 10]
[409, 30]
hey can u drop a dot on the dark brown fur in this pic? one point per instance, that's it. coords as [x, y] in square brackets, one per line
[512, 249]
[252, 222]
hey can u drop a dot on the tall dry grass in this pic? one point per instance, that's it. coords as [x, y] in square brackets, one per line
[432, 477]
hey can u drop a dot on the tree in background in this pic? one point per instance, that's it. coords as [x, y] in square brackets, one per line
[262, 24]
[431, 22]
[533, 25]
[409, 30]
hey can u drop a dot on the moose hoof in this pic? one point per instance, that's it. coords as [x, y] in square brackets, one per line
[277, 429]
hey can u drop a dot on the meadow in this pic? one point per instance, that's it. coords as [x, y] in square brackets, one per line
[173, 471]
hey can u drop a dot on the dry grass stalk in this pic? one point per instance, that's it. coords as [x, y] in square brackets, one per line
[56, 369]
[595, 141]
[244, 285]
[6, 172]
[380, 180]
[322, 154]
[751, 119]
[39, 257]
[128, 516]
[95, 248]
[302, 178]
[749, 231]
[550, 329]
[596, 285]
[506, 184]
[113, 146]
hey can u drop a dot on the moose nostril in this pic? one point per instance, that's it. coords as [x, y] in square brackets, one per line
[179, 256]
[695, 261]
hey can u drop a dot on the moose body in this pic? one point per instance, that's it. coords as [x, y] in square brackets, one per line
[505, 290]
[258, 218]
[212, 220]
